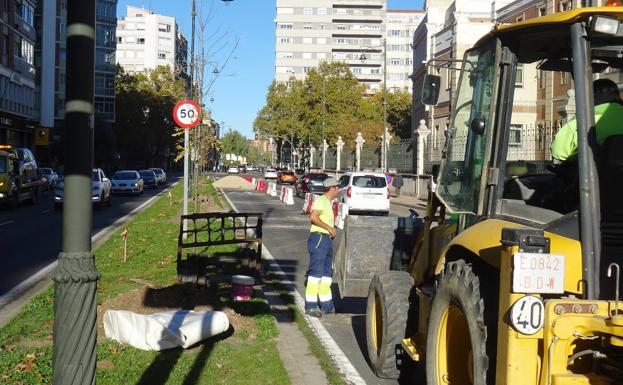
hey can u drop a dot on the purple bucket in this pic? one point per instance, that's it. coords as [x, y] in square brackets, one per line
[242, 287]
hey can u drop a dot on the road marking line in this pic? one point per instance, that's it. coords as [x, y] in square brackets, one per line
[348, 371]
[31, 281]
[47, 211]
[7, 222]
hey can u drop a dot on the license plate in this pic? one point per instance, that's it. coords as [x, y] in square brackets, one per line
[538, 273]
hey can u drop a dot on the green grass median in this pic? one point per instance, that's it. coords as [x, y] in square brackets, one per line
[146, 283]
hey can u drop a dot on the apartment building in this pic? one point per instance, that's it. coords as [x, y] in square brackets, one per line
[146, 40]
[400, 27]
[18, 112]
[351, 31]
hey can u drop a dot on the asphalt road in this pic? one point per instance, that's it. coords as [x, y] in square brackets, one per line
[31, 236]
[285, 232]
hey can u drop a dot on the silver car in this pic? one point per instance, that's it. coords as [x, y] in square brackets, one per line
[101, 190]
[127, 181]
[161, 176]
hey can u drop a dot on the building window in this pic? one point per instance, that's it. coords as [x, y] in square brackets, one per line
[164, 27]
[307, 40]
[375, 71]
[308, 11]
[356, 70]
[284, 55]
[285, 40]
[519, 76]
[394, 32]
[340, 26]
[285, 25]
[514, 135]
[119, 39]
[306, 69]
[340, 41]
[141, 40]
[321, 55]
[394, 62]
[25, 11]
[321, 40]
[307, 55]
[394, 47]
[27, 52]
[564, 6]
[322, 11]
[140, 26]
[564, 78]
[285, 11]
[162, 55]
[307, 26]
[542, 11]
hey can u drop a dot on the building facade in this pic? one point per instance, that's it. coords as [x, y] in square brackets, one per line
[400, 27]
[146, 40]
[18, 105]
[351, 31]
[50, 67]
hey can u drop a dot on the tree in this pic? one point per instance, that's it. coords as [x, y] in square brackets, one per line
[144, 114]
[233, 142]
[328, 103]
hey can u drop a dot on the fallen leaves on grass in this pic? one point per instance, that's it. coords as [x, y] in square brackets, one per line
[27, 365]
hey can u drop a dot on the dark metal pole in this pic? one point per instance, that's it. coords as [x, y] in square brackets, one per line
[75, 303]
[590, 232]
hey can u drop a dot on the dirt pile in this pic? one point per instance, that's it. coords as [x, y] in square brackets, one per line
[232, 181]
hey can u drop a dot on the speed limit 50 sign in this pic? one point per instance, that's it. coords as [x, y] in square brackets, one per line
[186, 113]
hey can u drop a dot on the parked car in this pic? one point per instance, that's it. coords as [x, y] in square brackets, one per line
[127, 181]
[101, 190]
[50, 175]
[149, 178]
[286, 177]
[270, 173]
[310, 183]
[160, 175]
[233, 170]
[365, 192]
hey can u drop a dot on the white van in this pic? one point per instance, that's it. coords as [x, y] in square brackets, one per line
[365, 191]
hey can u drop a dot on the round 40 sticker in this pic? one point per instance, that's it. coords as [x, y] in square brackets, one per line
[528, 315]
[186, 113]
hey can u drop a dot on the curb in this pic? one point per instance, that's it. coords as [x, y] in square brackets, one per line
[45, 273]
[346, 369]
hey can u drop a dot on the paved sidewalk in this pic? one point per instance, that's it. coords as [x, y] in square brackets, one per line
[408, 201]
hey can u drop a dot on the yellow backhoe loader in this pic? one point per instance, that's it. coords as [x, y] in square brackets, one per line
[517, 290]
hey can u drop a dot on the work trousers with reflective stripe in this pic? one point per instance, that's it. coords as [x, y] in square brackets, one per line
[318, 289]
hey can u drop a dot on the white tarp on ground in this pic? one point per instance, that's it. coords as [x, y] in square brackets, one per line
[160, 331]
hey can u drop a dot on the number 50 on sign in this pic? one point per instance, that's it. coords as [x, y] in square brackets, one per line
[186, 113]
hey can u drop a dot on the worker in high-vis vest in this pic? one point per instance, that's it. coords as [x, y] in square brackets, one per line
[318, 298]
[608, 122]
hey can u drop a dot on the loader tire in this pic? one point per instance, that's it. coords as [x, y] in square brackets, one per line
[387, 316]
[456, 343]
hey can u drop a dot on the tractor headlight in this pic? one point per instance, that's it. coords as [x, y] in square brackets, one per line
[605, 25]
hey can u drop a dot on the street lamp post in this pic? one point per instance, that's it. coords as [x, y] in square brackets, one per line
[384, 136]
[75, 296]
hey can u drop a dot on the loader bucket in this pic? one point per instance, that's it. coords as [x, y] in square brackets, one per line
[370, 245]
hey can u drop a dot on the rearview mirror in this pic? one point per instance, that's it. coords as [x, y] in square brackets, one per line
[430, 90]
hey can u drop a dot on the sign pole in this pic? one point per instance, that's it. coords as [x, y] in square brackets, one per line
[186, 160]
[186, 114]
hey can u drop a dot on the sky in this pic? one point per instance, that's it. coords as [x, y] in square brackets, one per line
[240, 90]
